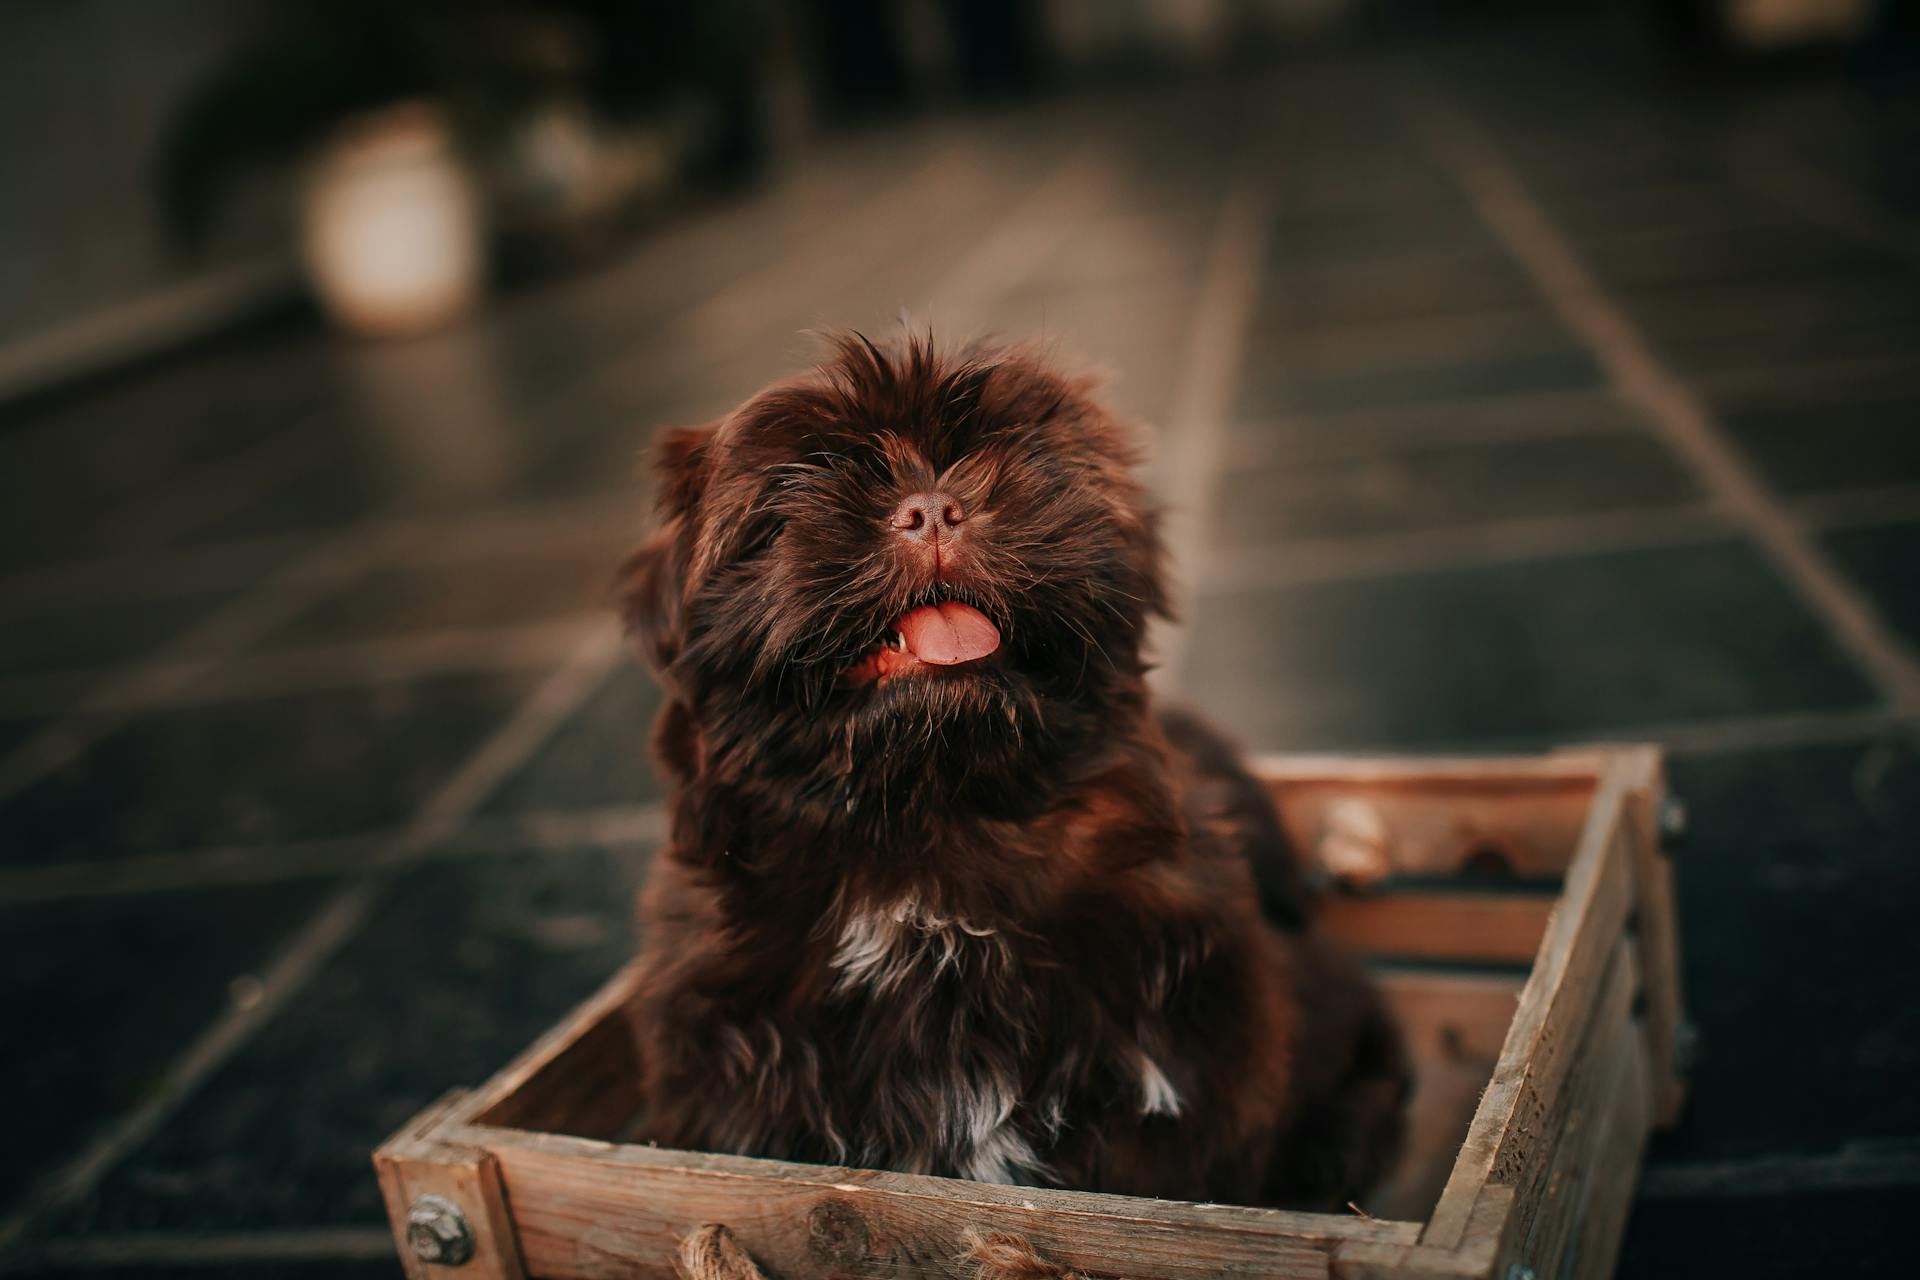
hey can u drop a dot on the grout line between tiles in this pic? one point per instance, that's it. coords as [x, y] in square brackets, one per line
[308, 668]
[1680, 416]
[230, 629]
[538, 831]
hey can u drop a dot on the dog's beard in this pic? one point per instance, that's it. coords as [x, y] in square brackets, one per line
[790, 697]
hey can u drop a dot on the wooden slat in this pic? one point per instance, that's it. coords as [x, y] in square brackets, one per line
[1555, 1008]
[1437, 815]
[1658, 933]
[1558, 1171]
[589, 1209]
[1501, 928]
[1461, 1017]
[1454, 1025]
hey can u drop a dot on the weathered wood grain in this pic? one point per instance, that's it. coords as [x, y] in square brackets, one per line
[589, 1210]
[1496, 928]
[1555, 1009]
[1439, 817]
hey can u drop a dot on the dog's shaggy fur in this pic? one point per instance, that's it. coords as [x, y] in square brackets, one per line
[994, 919]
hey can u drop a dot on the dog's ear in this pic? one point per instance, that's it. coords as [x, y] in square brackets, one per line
[653, 582]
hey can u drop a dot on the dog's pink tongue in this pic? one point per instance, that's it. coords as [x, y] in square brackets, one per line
[948, 633]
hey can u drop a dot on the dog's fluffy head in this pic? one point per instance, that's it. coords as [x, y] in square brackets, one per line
[809, 535]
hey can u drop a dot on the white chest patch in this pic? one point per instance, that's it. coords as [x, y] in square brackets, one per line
[1158, 1097]
[880, 947]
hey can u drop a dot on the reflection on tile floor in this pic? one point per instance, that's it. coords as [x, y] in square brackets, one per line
[1407, 398]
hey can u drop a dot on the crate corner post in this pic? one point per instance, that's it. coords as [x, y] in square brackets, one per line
[445, 1200]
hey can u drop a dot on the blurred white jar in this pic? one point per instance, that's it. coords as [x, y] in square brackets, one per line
[391, 225]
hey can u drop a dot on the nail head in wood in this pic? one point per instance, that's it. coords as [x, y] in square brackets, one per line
[438, 1232]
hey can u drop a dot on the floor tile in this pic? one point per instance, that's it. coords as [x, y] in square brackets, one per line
[102, 634]
[1295, 298]
[490, 591]
[1531, 651]
[113, 989]
[1274, 388]
[462, 965]
[1885, 561]
[1790, 345]
[1809, 449]
[1783, 1237]
[1445, 227]
[1299, 438]
[1440, 486]
[601, 756]
[1739, 253]
[1796, 891]
[257, 770]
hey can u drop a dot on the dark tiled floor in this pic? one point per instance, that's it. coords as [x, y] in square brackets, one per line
[1885, 561]
[1799, 886]
[1524, 652]
[1823, 448]
[496, 590]
[1788, 1236]
[1273, 390]
[245, 771]
[601, 758]
[102, 633]
[387, 1023]
[76, 972]
[1406, 382]
[1440, 485]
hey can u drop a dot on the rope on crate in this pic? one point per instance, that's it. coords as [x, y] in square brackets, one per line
[1006, 1257]
[711, 1253]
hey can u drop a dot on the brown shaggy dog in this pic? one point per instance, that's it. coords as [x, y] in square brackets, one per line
[943, 894]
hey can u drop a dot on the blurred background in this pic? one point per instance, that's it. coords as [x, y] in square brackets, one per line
[1514, 374]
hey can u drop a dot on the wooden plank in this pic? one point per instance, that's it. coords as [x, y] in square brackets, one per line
[1554, 1179]
[1454, 1025]
[582, 1077]
[1438, 817]
[1475, 1256]
[591, 1209]
[1502, 928]
[1658, 933]
[1555, 1008]
[417, 1162]
[1460, 1017]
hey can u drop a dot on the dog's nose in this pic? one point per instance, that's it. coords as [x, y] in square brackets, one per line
[925, 516]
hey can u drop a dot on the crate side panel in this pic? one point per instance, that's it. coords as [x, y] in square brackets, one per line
[1556, 1006]
[584, 1213]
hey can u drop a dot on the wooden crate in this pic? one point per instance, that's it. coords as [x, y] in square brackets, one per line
[1525, 933]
